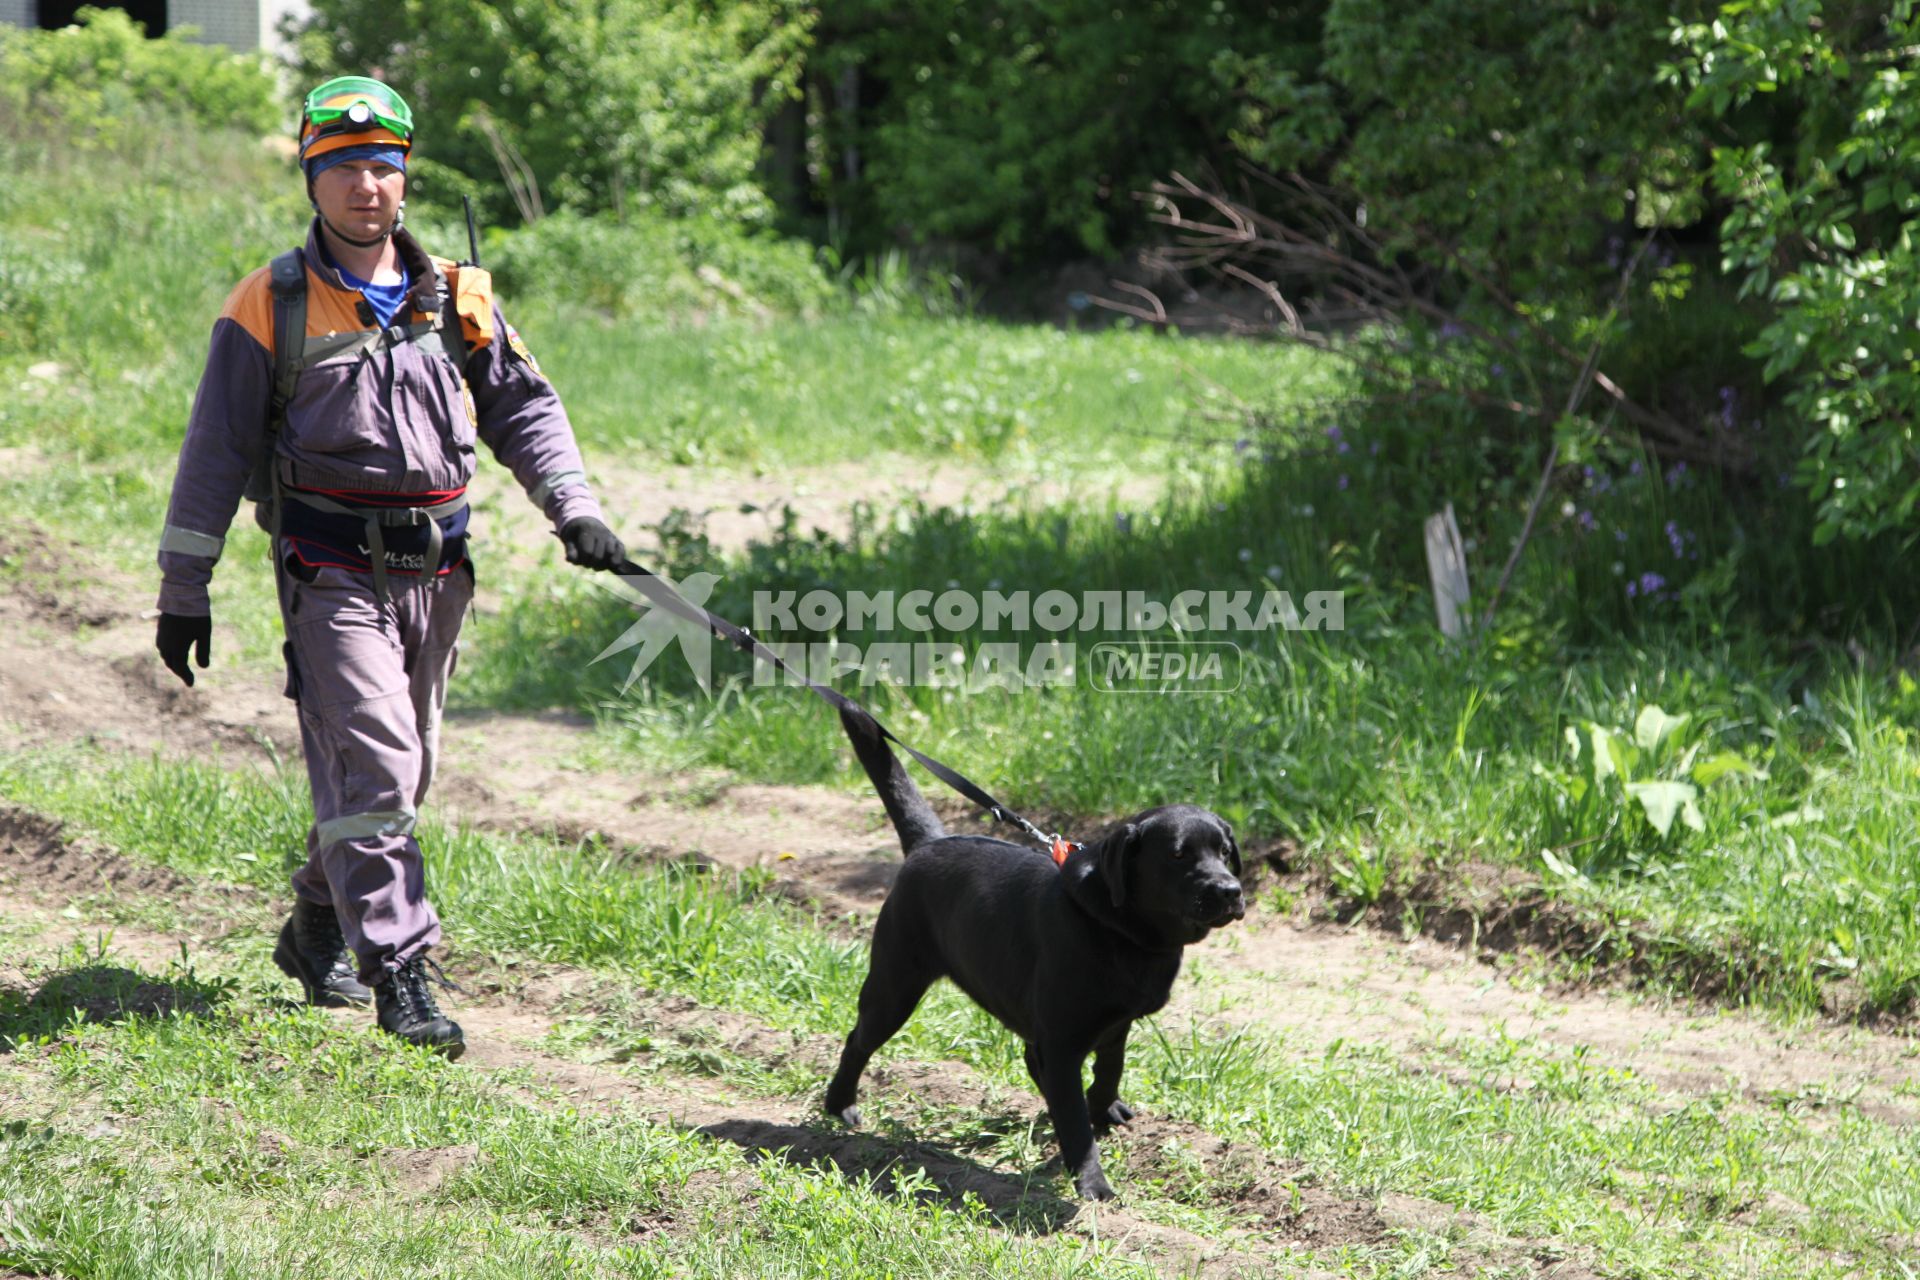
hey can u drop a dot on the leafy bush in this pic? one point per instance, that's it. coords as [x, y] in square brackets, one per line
[1027, 125]
[613, 106]
[103, 82]
[1824, 212]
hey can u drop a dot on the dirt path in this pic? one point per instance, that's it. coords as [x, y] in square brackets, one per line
[78, 664]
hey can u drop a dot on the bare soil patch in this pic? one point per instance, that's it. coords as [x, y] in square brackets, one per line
[421, 1171]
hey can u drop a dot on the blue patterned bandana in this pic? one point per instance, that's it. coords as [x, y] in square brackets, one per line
[371, 151]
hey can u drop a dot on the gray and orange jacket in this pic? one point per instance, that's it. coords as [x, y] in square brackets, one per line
[377, 424]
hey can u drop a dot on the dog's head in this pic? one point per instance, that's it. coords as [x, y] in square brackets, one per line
[1177, 866]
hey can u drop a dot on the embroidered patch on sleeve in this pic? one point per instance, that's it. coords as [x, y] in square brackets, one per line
[519, 348]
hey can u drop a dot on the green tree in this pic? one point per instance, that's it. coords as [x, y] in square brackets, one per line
[1027, 125]
[598, 105]
[1820, 106]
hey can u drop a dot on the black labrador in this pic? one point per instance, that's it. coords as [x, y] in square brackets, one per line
[1066, 956]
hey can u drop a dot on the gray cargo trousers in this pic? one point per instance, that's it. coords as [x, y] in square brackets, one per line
[370, 681]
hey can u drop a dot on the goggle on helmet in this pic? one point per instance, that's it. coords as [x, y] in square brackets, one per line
[353, 111]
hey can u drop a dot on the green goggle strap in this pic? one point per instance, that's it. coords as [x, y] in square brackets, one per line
[326, 116]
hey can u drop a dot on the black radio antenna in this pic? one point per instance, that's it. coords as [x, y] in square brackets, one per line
[473, 241]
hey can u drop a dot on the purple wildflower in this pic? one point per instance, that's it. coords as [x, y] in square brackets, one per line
[1650, 583]
[1619, 535]
[1586, 522]
[1634, 470]
[1373, 450]
[1497, 369]
[1676, 539]
[1343, 480]
[1452, 329]
[1333, 432]
[1729, 406]
[1676, 473]
[1241, 446]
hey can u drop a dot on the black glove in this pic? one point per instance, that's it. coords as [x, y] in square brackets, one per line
[590, 544]
[178, 633]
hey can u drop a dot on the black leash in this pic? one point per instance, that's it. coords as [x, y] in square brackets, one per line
[661, 593]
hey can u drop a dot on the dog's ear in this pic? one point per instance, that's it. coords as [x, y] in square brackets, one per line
[1111, 859]
[1233, 846]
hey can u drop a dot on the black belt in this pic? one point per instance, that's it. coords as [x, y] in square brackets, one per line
[376, 518]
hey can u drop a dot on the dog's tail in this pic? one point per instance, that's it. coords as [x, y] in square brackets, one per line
[913, 818]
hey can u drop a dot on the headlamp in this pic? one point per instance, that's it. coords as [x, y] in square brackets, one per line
[350, 105]
[356, 118]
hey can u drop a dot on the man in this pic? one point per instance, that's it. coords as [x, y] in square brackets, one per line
[345, 391]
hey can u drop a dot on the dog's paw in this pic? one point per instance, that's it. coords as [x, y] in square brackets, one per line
[1094, 1186]
[1115, 1112]
[848, 1116]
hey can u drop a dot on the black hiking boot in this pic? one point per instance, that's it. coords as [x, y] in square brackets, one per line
[312, 951]
[406, 1009]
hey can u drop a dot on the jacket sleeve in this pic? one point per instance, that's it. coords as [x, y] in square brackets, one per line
[523, 422]
[225, 435]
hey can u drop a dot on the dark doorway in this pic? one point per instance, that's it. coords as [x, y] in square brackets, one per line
[151, 14]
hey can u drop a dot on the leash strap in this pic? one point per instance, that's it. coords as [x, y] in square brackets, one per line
[655, 589]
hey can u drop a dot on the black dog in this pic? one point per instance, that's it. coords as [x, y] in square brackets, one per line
[1067, 956]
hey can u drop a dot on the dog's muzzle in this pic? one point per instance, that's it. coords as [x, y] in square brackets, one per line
[1220, 902]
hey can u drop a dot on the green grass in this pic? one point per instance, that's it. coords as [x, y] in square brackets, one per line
[1585, 1153]
[789, 395]
[253, 1139]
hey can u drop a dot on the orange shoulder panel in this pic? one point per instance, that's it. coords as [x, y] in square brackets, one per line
[250, 305]
[331, 310]
[473, 298]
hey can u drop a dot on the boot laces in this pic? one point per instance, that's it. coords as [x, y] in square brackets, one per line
[410, 987]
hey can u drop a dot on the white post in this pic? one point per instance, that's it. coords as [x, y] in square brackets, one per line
[1447, 567]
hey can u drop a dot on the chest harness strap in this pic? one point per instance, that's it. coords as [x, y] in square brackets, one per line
[293, 351]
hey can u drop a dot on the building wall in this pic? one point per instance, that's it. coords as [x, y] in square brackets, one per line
[234, 23]
[272, 11]
[238, 24]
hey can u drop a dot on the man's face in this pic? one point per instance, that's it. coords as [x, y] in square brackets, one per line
[359, 198]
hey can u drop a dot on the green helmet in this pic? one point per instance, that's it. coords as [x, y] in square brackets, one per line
[352, 111]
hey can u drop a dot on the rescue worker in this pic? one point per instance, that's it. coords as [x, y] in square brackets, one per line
[345, 390]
